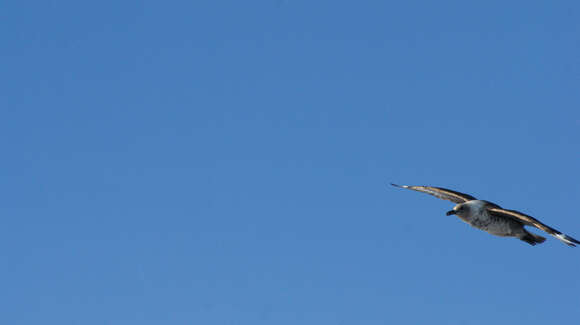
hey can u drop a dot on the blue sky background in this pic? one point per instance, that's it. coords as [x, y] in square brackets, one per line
[226, 162]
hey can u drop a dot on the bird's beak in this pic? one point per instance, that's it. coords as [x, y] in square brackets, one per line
[451, 212]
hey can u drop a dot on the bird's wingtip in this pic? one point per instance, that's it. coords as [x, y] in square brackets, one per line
[567, 239]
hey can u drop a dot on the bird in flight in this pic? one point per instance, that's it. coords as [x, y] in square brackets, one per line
[492, 218]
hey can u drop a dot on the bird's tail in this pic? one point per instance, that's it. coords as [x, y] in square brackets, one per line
[532, 239]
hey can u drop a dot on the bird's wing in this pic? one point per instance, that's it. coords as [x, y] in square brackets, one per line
[440, 192]
[530, 221]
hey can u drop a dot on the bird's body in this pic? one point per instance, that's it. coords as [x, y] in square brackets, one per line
[492, 218]
[479, 218]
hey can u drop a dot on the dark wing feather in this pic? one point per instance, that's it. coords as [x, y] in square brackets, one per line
[439, 192]
[531, 221]
[521, 217]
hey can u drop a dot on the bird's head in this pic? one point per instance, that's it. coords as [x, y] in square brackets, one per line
[459, 209]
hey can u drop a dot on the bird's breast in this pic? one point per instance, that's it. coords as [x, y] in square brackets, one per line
[493, 225]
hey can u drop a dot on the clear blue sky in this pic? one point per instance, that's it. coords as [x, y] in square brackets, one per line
[226, 162]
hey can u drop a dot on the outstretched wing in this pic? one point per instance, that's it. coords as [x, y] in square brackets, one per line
[530, 221]
[440, 192]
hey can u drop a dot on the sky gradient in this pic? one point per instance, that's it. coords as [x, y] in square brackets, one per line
[227, 162]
